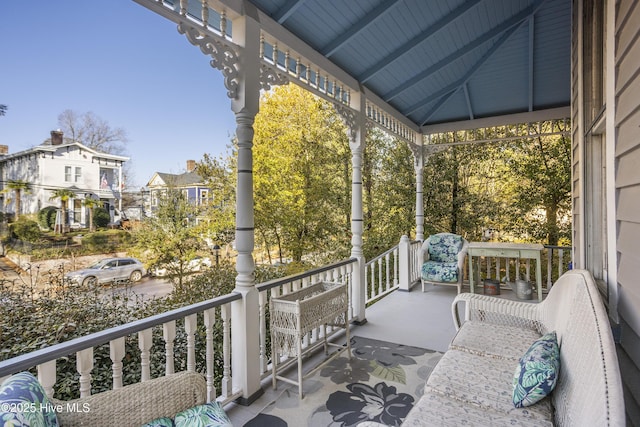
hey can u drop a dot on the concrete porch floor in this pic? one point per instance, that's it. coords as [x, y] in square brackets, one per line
[415, 318]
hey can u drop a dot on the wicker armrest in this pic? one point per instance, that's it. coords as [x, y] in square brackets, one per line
[136, 404]
[496, 310]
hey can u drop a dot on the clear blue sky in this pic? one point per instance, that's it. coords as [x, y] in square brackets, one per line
[122, 62]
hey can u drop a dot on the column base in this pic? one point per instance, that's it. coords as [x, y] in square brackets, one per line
[246, 401]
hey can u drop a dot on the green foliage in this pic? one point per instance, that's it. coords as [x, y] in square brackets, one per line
[47, 217]
[36, 317]
[26, 229]
[106, 241]
[299, 185]
[101, 217]
[170, 238]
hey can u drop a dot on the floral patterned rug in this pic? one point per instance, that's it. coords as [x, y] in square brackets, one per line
[380, 383]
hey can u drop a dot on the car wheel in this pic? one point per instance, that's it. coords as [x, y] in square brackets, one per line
[88, 281]
[135, 276]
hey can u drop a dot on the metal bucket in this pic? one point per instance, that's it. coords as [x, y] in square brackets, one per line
[523, 289]
[491, 287]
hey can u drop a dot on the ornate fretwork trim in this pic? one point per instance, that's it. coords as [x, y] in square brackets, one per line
[349, 117]
[270, 77]
[432, 149]
[224, 54]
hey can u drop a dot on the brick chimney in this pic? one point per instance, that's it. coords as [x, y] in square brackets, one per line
[191, 165]
[4, 150]
[56, 137]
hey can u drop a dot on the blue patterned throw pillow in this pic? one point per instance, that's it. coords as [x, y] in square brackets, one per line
[207, 415]
[160, 422]
[537, 372]
[25, 404]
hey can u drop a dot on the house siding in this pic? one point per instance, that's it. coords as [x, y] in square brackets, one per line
[627, 119]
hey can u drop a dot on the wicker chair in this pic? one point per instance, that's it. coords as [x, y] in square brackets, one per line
[443, 255]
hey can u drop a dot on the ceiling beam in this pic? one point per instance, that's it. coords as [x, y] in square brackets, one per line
[517, 19]
[287, 10]
[364, 22]
[507, 119]
[468, 99]
[401, 50]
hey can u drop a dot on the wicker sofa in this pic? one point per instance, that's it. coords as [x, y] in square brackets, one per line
[474, 379]
[156, 402]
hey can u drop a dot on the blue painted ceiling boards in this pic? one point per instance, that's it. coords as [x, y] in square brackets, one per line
[441, 61]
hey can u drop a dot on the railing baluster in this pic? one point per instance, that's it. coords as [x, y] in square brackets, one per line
[209, 320]
[169, 336]
[262, 306]
[387, 260]
[396, 272]
[380, 283]
[145, 340]
[190, 324]
[226, 354]
[549, 266]
[84, 365]
[560, 262]
[116, 353]
[47, 376]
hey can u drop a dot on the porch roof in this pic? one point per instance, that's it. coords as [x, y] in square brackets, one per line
[443, 62]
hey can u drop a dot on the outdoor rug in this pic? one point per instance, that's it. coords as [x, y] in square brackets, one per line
[380, 383]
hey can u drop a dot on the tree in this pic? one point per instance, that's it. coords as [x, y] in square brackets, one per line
[92, 131]
[544, 170]
[91, 204]
[17, 187]
[219, 176]
[298, 173]
[170, 238]
[64, 194]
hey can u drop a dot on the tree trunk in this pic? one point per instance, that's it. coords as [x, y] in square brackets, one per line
[91, 226]
[552, 224]
[454, 194]
[18, 204]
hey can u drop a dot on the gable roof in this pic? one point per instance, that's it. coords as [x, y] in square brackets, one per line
[186, 179]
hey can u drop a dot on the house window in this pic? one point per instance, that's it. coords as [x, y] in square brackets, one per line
[204, 196]
[78, 174]
[595, 154]
[67, 173]
[77, 211]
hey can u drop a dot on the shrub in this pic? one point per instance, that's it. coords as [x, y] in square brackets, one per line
[26, 229]
[47, 217]
[101, 217]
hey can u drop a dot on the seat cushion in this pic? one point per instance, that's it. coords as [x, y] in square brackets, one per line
[440, 271]
[433, 409]
[444, 247]
[484, 382]
[24, 403]
[487, 339]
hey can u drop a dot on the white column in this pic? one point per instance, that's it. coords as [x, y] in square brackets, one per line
[357, 143]
[245, 363]
[419, 198]
[404, 259]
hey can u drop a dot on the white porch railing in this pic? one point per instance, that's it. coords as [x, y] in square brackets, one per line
[386, 272]
[214, 313]
[202, 319]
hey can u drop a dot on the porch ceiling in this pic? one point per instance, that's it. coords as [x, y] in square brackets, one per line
[440, 61]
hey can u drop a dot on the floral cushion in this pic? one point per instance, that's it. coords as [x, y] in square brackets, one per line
[207, 415]
[444, 247]
[537, 371]
[23, 403]
[160, 422]
[440, 271]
